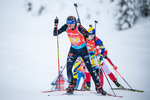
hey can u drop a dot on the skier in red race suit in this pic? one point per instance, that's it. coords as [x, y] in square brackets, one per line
[97, 45]
[77, 35]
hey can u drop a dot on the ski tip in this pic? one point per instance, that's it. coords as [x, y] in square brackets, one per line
[114, 95]
[127, 89]
[119, 96]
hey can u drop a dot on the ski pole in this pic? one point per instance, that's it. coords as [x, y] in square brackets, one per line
[75, 4]
[106, 77]
[117, 72]
[107, 80]
[95, 30]
[59, 77]
[58, 53]
[103, 71]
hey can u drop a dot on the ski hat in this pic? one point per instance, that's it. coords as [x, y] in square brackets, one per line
[91, 30]
[70, 21]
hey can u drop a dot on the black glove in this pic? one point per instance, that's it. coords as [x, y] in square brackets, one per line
[100, 60]
[86, 35]
[78, 20]
[53, 83]
[105, 56]
[56, 21]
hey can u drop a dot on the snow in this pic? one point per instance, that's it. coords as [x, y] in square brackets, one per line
[28, 50]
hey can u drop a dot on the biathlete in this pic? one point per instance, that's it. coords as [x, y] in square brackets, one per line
[97, 45]
[62, 82]
[77, 35]
[91, 46]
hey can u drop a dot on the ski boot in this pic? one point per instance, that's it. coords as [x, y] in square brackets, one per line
[99, 89]
[87, 87]
[70, 89]
[75, 82]
[118, 84]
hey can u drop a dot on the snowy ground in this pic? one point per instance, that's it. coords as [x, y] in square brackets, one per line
[28, 55]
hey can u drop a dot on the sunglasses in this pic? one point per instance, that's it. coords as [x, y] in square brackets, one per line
[70, 21]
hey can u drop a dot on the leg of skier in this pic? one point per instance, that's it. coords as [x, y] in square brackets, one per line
[87, 81]
[78, 79]
[98, 71]
[110, 74]
[85, 56]
[76, 68]
[72, 56]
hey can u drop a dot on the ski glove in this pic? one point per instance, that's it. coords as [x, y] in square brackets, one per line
[56, 21]
[78, 20]
[101, 58]
[105, 56]
[53, 83]
[86, 35]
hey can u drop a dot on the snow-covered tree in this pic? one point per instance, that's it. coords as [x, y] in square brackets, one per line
[144, 7]
[126, 14]
[130, 11]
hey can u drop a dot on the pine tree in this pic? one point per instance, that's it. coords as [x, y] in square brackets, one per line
[126, 15]
[144, 8]
[130, 11]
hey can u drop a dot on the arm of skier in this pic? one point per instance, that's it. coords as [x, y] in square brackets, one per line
[83, 31]
[115, 67]
[99, 44]
[62, 29]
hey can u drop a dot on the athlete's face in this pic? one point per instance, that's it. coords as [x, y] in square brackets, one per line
[90, 37]
[71, 26]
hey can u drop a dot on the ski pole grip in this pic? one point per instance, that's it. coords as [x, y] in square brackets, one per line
[96, 21]
[90, 25]
[75, 4]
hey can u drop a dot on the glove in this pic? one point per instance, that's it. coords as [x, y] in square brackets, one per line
[101, 57]
[105, 56]
[78, 20]
[86, 35]
[100, 60]
[56, 21]
[53, 83]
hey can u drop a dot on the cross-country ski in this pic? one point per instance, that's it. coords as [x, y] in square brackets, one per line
[128, 89]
